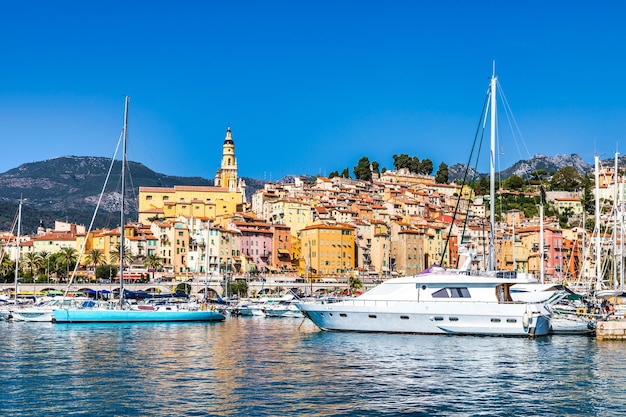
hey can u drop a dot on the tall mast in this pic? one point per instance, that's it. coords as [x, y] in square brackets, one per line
[17, 246]
[615, 218]
[492, 173]
[123, 198]
[597, 227]
[541, 244]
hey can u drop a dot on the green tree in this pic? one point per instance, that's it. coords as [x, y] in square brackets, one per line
[7, 269]
[345, 173]
[115, 255]
[513, 183]
[95, 257]
[355, 284]
[441, 177]
[425, 167]
[106, 271]
[239, 287]
[566, 179]
[401, 161]
[45, 262]
[376, 167]
[153, 263]
[414, 165]
[31, 261]
[588, 199]
[333, 174]
[67, 257]
[362, 169]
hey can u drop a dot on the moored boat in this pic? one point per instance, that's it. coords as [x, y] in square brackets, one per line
[122, 311]
[436, 301]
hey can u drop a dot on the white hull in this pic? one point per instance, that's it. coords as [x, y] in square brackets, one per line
[436, 301]
[428, 318]
[283, 311]
[571, 324]
[33, 315]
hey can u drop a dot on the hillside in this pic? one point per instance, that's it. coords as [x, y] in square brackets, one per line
[67, 188]
[524, 168]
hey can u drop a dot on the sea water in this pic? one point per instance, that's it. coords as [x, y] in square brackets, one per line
[279, 367]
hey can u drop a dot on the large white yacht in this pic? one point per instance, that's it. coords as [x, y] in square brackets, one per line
[436, 301]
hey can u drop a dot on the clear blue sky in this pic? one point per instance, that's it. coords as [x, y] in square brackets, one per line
[307, 87]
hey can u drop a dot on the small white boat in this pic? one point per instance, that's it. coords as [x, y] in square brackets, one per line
[249, 309]
[572, 324]
[282, 307]
[42, 312]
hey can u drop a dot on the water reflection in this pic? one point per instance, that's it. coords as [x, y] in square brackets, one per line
[258, 366]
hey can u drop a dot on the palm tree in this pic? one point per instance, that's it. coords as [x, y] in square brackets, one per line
[32, 262]
[153, 262]
[7, 269]
[355, 284]
[68, 256]
[44, 257]
[115, 255]
[95, 257]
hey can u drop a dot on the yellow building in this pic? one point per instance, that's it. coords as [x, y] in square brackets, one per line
[187, 201]
[294, 213]
[573, 204]
[226, 197]
[329, 249]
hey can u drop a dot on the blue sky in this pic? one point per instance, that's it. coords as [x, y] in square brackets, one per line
[307, 87]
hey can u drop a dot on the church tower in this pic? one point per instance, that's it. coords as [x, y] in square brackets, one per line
[226, 176]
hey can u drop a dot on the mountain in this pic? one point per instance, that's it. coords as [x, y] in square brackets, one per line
[524, 168]
[68, 188]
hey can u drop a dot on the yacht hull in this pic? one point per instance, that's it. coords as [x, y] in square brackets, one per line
[428, 318]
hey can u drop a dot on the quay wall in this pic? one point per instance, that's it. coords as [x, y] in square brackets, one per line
[611, 330]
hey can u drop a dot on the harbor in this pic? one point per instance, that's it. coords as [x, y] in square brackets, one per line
[264, 367]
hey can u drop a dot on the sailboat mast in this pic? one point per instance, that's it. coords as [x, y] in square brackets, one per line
[17, 246]
[615, 214]
[123, 198]
[492, 173]
[542, 272]
[597, 227]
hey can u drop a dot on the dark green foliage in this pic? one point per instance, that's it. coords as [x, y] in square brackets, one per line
[513, 183]
[239, 287]
[106, 271]
[441, 177]
[566, 179]
[362, 169]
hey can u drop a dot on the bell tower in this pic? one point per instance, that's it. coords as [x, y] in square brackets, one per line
[226, 176]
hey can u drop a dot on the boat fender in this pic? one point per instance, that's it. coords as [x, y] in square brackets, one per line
[525, 320]
[581, 311]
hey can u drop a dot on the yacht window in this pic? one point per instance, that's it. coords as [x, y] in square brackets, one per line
[459, 293]
[438, 318]
[452, 292]
[495, 320]
[442, 293]
[511, 320]
[404, 317]
[372, 316]
[453, 318]
[343, 315]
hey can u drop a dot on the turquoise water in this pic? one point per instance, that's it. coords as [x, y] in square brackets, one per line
[276, 367]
